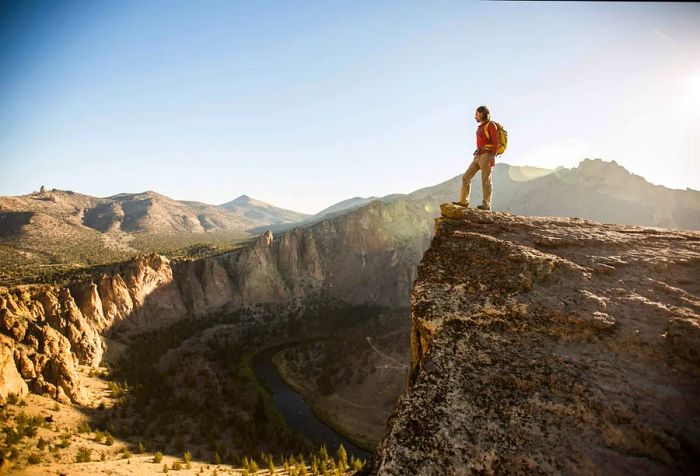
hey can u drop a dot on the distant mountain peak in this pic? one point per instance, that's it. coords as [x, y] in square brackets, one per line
[242, 200]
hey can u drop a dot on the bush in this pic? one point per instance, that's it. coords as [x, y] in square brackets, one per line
[188, 459]
[34, 458]
[84, 427]
[177, 466]
[83, 455]
[109, 439]
[140, 448]
[158, 457]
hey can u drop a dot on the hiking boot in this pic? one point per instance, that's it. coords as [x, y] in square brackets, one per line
[460, 204]
[484, 207]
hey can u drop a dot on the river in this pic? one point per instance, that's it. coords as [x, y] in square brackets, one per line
[295, 410]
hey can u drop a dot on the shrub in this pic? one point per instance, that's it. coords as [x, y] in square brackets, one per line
[188, 459]
[34, 458]
[158, 457]
[109, 439]
[140, 448]
[84, 427]
[177, 466]
[83, 455]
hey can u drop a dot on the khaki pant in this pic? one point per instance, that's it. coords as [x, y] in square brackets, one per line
[480, 162]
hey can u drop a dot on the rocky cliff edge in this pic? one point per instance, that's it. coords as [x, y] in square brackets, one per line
[551, 346]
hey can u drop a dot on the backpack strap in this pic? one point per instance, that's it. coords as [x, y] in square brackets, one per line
[486, 130]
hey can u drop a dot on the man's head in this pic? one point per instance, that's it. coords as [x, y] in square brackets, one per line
[482, 114]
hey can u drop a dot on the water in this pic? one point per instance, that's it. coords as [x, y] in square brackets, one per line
[295, 410]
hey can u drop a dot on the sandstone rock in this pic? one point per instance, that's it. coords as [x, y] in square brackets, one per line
[59, 369]
[526, 360]
[10, 380]
[24, 365]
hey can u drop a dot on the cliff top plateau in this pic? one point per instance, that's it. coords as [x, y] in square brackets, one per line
[550, 346]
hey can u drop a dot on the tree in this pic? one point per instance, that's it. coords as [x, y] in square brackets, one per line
[217, 458]
[342, 456]
[323, 453]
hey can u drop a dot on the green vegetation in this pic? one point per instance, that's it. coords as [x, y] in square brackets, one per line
[84, 455]
[85, 255]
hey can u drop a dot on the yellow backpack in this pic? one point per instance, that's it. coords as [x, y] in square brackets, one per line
[502, 136]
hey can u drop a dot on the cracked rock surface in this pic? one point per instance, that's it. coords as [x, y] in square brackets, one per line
[551, 346]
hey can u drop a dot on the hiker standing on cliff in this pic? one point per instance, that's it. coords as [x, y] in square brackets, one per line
[484, 159]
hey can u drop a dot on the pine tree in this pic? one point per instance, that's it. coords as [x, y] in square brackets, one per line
[342, 458]
[217, 458]
[323, 453]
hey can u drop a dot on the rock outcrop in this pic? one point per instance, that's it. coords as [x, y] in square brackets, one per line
[551, 346]
[52, 329]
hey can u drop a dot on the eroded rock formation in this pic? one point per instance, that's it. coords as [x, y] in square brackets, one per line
[551, 346]
[368, 256]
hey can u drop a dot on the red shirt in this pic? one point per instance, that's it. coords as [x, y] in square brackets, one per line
[484, 144]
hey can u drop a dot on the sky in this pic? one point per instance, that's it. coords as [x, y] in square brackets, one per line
[303, 104]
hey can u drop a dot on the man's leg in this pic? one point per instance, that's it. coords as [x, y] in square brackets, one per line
[466, 181]
[486, 186]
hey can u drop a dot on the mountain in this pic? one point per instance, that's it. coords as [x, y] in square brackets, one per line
[65, 228]
[260, 213]
[550, 346]
[597, 190]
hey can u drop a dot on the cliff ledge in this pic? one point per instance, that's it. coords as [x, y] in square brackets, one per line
[551, 346]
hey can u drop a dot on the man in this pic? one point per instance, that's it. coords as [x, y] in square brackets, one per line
[484, 159]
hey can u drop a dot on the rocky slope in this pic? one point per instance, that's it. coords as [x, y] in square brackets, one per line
[551, 346]
[366, 257]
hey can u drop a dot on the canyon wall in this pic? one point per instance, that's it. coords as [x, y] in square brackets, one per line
[550, 346]
[368, 256]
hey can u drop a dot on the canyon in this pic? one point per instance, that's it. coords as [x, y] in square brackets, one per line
[534, 281]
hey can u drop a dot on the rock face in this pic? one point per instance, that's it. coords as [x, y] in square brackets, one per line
[366, 257]
[551, 346]
[52, 329]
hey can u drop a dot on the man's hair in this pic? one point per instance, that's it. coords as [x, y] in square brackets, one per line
[485, 114]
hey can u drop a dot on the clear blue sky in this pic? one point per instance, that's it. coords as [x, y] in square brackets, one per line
[303, 104]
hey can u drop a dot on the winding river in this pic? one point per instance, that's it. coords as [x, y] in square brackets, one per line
[295, 410]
